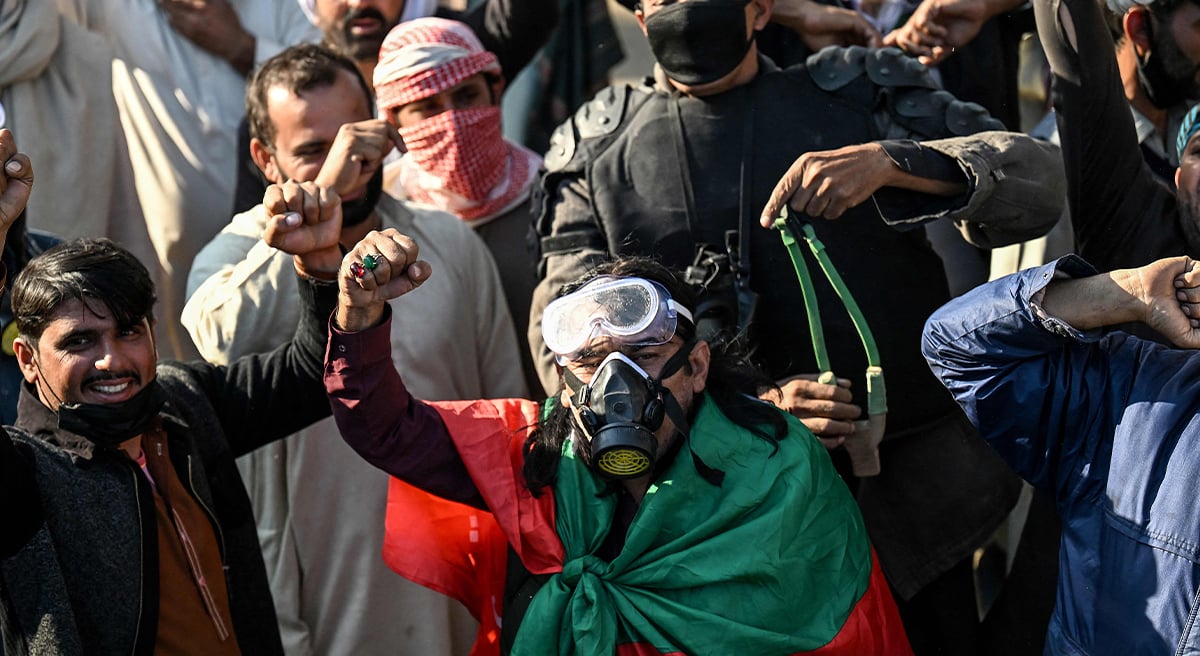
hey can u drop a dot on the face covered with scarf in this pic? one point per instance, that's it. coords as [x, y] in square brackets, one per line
[441, 90]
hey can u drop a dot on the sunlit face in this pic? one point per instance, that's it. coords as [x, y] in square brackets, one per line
[83, 356]
[685, 384]
[357, 28]
[306, 126]
[472, 92]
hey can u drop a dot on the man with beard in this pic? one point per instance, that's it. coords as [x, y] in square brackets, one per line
[1123, 214]
[1158, 56]
[512, 29]
[310, 116]
[682, 167]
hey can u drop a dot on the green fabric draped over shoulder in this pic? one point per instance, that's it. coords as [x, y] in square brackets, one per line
[770, 562]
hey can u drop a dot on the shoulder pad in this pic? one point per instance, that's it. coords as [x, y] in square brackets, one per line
[934, 114]
[599, 117]
[562, 147]
[963, 118]
[920, 103]
[833, 68]
[890, 67]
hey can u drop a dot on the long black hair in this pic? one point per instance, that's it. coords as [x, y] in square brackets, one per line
[733, 381]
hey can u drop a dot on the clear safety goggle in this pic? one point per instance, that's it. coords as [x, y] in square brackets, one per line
[628, 311]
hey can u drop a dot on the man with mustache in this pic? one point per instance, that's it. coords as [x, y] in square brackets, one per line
[127, 529]
[1123, 214]
[513, 30]
[310, 114]
[682, 166]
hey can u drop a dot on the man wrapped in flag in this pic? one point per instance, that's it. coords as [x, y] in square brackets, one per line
[655, 506]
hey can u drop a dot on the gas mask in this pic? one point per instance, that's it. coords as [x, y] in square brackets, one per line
[619, 411]
[621, 408]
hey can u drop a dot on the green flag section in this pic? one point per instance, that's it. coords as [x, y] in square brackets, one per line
[774, 560]
[771, 562]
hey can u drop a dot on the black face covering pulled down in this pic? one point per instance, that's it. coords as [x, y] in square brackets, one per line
[110, 424]
[699, 41]
[356, 211]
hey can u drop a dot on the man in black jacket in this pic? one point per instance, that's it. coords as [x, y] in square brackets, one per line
[681, 168]
[126, 526]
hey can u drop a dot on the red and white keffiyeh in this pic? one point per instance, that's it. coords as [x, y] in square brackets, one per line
[457, 160]
[426, 56]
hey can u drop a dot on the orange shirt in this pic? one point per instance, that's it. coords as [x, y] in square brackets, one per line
[193, 604]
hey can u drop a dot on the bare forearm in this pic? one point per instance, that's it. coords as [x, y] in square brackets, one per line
[904, 180]
[1102, 300]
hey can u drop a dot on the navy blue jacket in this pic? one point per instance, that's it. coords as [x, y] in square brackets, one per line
[1105, 422]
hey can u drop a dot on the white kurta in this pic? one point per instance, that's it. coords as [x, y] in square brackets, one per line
[320, 507]
[56, 96]
[178, 107]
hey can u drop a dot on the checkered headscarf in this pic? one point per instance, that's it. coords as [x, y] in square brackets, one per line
[426, 56]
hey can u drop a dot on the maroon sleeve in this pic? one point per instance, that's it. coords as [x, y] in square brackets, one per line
[381, 420]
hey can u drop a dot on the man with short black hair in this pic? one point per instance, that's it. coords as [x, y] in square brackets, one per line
[126, 525]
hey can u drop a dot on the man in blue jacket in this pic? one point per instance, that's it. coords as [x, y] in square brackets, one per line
[1106, 423]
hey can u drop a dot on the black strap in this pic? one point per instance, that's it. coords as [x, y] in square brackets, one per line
[571, 242]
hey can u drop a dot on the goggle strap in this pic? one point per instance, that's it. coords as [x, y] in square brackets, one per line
[675, 362]
[680, 310]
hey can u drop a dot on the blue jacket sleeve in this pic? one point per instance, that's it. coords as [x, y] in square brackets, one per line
[1039, 391]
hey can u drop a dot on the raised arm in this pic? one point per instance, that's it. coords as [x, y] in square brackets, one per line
[933, 157]
[1162, 295]
[263, 397]
[21, 509]
[1114, 200]
[1043, 393]
[375, 413]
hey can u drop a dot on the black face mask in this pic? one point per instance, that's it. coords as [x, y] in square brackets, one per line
[1165, 73]
[699, 41]
[356, 211]
[109, 424]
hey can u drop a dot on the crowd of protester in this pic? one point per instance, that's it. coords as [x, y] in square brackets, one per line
[306, 352]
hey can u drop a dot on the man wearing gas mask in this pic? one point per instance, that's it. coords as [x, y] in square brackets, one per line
[681, 168]
[653, 505]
